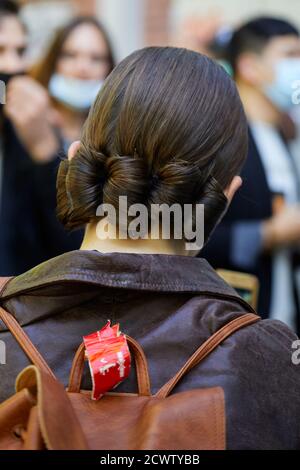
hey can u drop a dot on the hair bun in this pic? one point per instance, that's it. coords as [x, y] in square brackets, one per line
[176, 182]
[215, 205]
[125, 176]
[92, 178]
[79, 187]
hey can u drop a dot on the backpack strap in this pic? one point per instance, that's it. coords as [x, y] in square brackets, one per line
[60, 427]
[3, 283]
[21, 337]
[206, 348]
[140, 362]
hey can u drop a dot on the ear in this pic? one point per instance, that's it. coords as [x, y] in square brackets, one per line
[73, 149]
[234, 186]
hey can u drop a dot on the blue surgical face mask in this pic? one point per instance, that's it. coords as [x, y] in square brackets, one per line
[73, 92]
[287, 74]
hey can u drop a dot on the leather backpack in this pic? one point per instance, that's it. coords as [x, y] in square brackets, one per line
[43, 415]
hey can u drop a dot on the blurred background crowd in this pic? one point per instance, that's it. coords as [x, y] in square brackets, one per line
[54, 57]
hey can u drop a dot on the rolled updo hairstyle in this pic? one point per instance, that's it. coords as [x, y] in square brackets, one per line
[167, 127]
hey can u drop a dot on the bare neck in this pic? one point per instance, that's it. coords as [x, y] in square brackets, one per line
[95, 239]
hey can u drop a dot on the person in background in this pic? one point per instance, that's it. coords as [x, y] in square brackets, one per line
[60, 89]
[261, 232]
[20, 246]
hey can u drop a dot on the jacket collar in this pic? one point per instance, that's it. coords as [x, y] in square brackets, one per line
[68, 281]
[143, 272]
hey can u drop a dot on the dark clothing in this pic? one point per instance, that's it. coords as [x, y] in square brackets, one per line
[20, 248]
[171, 305]
[29, 231]
[55, 239]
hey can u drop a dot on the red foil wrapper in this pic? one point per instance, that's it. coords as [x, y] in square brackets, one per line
[109, 359]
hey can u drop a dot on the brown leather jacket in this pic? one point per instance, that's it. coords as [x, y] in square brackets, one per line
[170, 304]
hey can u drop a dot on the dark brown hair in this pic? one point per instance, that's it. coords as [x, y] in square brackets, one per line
[9, 7]
[167, 127]
[45, 68]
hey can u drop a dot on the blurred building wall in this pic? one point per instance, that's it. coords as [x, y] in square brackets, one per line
[234, 11]
[137, 23]
[157, 19]
[42, 18]
[131, 23]
[124, 21]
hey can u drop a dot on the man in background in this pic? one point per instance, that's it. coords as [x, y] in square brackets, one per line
[261, 232]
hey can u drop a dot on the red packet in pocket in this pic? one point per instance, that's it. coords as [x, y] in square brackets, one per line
[109, 359]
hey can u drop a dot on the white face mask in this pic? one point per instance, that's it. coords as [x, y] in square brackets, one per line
[74, 93]
[287, 74]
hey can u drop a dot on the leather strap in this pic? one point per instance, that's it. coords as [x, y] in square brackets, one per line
[58, 423]
[21, 337]
[212, 343]
[140, 361]
[141, 364]
[3, 283]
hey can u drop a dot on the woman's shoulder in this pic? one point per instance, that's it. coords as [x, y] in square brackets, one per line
[274, 347]
[279, 333]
